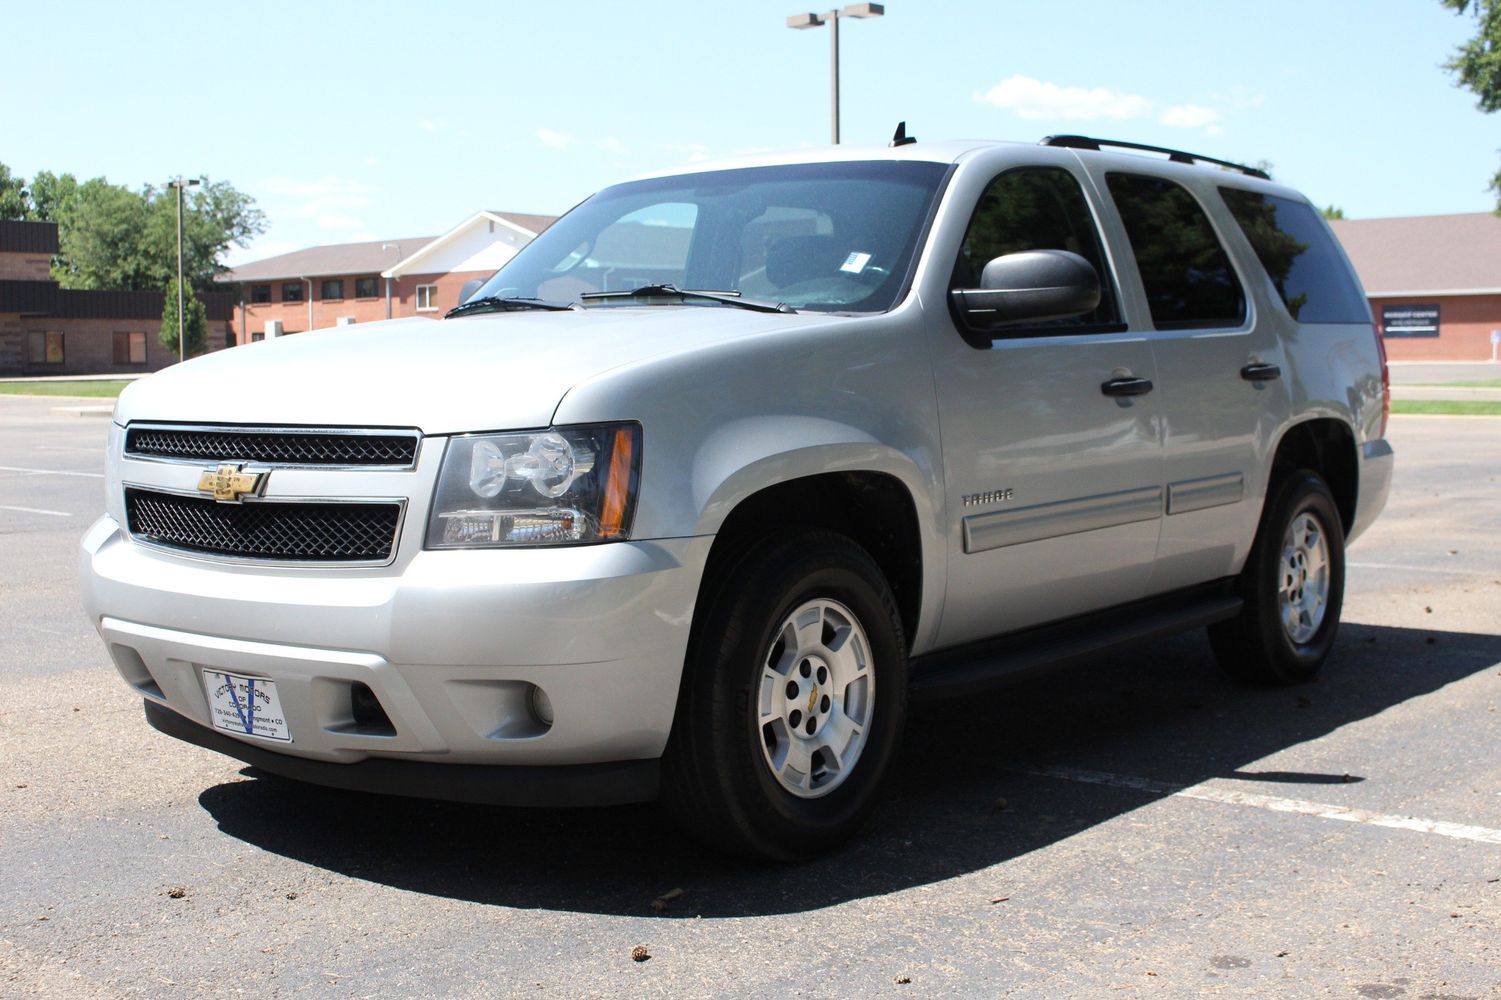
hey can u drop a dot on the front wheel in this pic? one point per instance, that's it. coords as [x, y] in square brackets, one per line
[793, 701]
[1293, 587]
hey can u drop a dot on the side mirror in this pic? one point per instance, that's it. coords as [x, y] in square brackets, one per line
[1033, 286]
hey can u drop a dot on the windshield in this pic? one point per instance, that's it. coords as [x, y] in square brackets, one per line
[837, 237]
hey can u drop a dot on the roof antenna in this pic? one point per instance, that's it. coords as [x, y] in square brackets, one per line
[900, 137]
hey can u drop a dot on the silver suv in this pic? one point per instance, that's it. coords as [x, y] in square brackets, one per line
[695, 490]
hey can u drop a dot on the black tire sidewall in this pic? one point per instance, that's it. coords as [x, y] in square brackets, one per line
[1302, 493]
[783, 575]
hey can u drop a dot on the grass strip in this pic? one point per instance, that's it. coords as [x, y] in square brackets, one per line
[107, 390]
[1448, 407]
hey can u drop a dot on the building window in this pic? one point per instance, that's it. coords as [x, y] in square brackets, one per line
[332, 289]
[291, 291]
[427, 298]
[256, 336]
[365, 288]
[130, 348]
[46, 348]
[260, 294]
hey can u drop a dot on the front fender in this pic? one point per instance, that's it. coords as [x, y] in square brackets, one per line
[744, 457]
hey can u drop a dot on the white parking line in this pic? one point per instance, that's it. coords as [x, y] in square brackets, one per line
[50, 472]
[1274, 803]
[35, 510]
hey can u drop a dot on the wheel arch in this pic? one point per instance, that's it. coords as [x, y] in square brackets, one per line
[1327, 446]
[753, 475]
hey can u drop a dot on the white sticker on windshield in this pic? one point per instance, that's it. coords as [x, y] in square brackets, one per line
[855, 262]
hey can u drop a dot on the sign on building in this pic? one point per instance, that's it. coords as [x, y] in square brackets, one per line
[1409, 321]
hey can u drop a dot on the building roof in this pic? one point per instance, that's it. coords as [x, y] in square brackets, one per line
[523, 229]
[374, 257]
[533, 224]
[335, 259]
[28, 237]
[1425, 254]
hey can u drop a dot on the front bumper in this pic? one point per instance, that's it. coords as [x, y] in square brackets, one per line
[451, 644]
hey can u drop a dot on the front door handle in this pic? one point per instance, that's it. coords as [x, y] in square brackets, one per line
[1126, 387]
[1260, 373]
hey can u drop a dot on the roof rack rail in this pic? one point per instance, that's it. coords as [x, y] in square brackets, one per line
[1176, 155]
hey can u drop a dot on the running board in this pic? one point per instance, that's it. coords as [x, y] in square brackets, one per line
[966, 669]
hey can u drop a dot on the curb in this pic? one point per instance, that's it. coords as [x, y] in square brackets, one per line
[93, 410]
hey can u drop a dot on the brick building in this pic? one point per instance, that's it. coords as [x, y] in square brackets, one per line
[48, 330]
[1434, 282]
[362, 282]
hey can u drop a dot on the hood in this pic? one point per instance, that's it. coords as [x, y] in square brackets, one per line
[488, 372]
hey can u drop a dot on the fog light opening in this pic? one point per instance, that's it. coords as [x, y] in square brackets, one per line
[542, 707]
[370, 718]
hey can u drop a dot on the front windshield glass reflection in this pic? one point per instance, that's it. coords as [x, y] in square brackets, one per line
[836, 237]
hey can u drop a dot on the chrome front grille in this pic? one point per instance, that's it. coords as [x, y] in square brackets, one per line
[316, 448]
[339, 531]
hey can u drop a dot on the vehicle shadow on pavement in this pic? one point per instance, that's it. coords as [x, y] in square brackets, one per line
[961, 799]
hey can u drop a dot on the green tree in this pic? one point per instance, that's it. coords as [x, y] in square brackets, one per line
[215, 217]
[102, 240]
[112, 237]
[12, 196]
[49, 193]
[1333, 212]
[195, 321]
[1477, 63]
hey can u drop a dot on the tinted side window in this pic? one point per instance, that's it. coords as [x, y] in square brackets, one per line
[1035, 208]
[1187, 274]
[1299, 257]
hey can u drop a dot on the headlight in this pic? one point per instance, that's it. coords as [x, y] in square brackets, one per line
[561, 486]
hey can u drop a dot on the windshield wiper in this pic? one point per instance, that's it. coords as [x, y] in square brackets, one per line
[500, 303]
[685, 294]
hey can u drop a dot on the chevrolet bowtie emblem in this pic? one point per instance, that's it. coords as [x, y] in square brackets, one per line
[229, 485]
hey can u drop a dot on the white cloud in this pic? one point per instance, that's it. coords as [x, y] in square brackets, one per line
[554, 140]
[337, 222]
[1189, 116]
[610, 144]
[1033, 99]
[1037, 99]
[1240, 97]
[328, 185]
[331, 202]
[430, 126]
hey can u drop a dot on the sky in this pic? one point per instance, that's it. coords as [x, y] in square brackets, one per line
[376, 120]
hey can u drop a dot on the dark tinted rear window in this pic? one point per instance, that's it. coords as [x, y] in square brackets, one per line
[1186, 273]
[1299, 257]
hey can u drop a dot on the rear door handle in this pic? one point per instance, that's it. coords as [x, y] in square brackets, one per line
[1126, 387]
[1260, 373]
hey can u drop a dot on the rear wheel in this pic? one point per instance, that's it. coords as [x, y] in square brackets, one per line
[1292, 585]
[793, 698]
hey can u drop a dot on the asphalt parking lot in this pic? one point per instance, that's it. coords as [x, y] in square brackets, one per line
[1140, 826]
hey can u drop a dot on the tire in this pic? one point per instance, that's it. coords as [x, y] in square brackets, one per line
[785, 731]
[1293, 586]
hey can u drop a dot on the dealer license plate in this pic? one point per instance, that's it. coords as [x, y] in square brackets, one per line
[246, 706]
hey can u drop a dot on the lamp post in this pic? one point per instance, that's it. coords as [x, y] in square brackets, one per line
[832, 20]
[182, 344]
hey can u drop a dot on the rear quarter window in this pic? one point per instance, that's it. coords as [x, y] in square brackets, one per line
[1299, 256]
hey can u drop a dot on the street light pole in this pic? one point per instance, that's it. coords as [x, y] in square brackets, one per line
[832, 20]
[182, 347]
